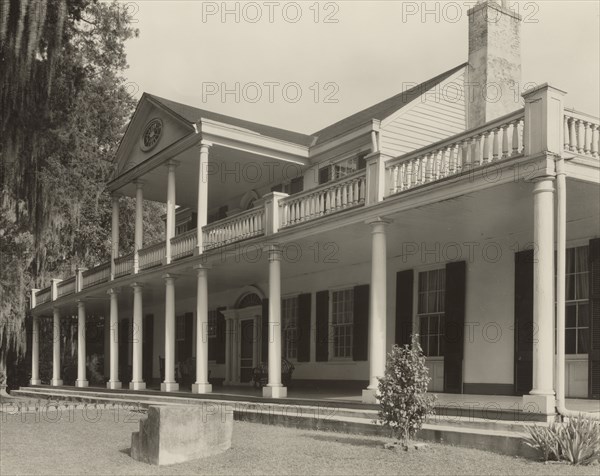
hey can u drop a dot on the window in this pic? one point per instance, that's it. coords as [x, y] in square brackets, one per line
[180, 338]
[289, 318]
[212, 324]
[342, 168]
[295, 185]
[432, 285]
[577, 301]
[342, 318]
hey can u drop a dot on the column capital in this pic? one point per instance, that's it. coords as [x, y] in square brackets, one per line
[114, 291]
[80, 303]
[274, 250]
[137, 285]
[171, 163]
[169, 276]
[204, 144]
[139, 183]
[378, 221]
[543, 184]
[201, 268]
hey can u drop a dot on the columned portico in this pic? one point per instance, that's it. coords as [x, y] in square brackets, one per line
[114, 382]
[202, 193]
[81, 350]
[56, 380]
[137, 382]
[169, 385]
[201, 385]
[541, 396]
[35, 351]
[139, 224]
[171, 202]
[114, 250]
[274, 388]
[377, 309]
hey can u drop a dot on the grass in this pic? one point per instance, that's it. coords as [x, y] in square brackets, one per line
[73, 445]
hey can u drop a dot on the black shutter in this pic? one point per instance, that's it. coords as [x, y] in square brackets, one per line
[361, 162]
[454, 326]
[523, 321]
[296, 185]
[194, 221]
[303, 328]
[147, 349]
[218, 344]
[125, 335]
[277, 188]
[404, 306]
[322, 326]
[360, 330]
[594, 346]
[324, 174]
[264, 338]
[188, 342]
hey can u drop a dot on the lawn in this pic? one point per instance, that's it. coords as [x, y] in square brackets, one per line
[80, 446]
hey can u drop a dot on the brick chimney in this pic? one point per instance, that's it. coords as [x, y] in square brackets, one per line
[494, 72]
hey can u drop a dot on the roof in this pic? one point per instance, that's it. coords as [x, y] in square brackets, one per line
[383, 109]
[194, 114]
[378, 111]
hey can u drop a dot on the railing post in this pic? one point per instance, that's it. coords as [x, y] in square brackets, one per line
[33, 302]
[272, 218]
[375, 179]
[544, 120]
[79, 279]
[54, 289]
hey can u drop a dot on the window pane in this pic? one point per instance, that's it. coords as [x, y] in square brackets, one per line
[433, 341]
[583, 341]
[571, 315]
[424, 327]
[582, 315]
[424, 345]
[570, 260]
[433, 324]
[570, 343]
[582, 285]
[422, 303]
[570, 287]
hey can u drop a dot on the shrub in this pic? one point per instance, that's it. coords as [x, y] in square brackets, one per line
[404, 403]
[576, 441]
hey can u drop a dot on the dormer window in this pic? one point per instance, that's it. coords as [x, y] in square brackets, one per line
[295, 185]
[340, 169]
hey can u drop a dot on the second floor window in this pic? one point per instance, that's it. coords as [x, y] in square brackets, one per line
[431, 308]
[289, 318]
[342, 321]
[338, 170]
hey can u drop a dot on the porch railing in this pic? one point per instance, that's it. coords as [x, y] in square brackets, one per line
[152, 255]
[97, 275]
[239, 227]
[66, 287]
[582, 134]
[332, 197]
[43, 296]
[183, 245]
[492, 142]
[124, 265]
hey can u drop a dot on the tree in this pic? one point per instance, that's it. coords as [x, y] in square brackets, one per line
[61, 122]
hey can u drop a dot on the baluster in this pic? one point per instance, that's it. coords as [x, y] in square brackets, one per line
[572, 135]
[464, 155]
[505, 150]
[445, 162]
[395, 173]
[474, 159]
[566, 132]
[401, 177]
[409, 175]
[515, 138]
[428, 166]
[579, 135]
[495, 146]
[595, 139]
[486, 148]
[587, 144]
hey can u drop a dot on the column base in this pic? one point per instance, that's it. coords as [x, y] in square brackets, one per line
[169, 387]
[275, 392]
[541, 404]
[56, 383]
[369, 395]
[113, 385]
[81, 383]
[201, 388]
[35, 382]
[137, 385]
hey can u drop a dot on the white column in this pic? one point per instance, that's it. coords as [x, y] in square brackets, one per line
[274, 388]
[114, 251]
[170, 231]
[228, 326]
[139, 224]
[81, 353]
[114, 382]
[56, 380]
[377, 309]
[541, 397]
[202, 193]
[202, 385]
[35, 351]
[137, 381]
[169, 385]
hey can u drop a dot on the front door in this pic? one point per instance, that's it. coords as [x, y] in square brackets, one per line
[246, 349]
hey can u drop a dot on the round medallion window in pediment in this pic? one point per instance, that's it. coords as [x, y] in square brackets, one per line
[152, 134]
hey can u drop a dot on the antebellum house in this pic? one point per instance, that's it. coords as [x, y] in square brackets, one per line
[446, 210]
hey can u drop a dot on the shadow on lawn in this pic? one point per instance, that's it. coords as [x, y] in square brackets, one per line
[348, 440]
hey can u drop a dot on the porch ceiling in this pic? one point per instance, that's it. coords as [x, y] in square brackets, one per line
[232, 172]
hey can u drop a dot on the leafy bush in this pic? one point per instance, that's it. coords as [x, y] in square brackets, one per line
[576, 441]
[404, 403]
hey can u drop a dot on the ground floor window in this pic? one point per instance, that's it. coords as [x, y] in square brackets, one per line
[430, 311]
[289, 315]
[342, 319]
[180, 338]
[577, 301]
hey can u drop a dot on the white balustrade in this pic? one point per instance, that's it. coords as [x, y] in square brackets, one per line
[239, 227]
[124, 265]
[495, 141]
[152, 255]
[183, 245]
[43, 296]
[66, 287]
[97, 275]
[581, 134]
[348, 192]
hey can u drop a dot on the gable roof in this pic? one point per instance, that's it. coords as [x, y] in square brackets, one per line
[382, 109]
[193, 114]
[378, 111]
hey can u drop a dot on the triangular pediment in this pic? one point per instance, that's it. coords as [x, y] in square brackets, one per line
[153, 128]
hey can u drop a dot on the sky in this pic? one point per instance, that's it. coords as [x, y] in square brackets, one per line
[304, 65]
